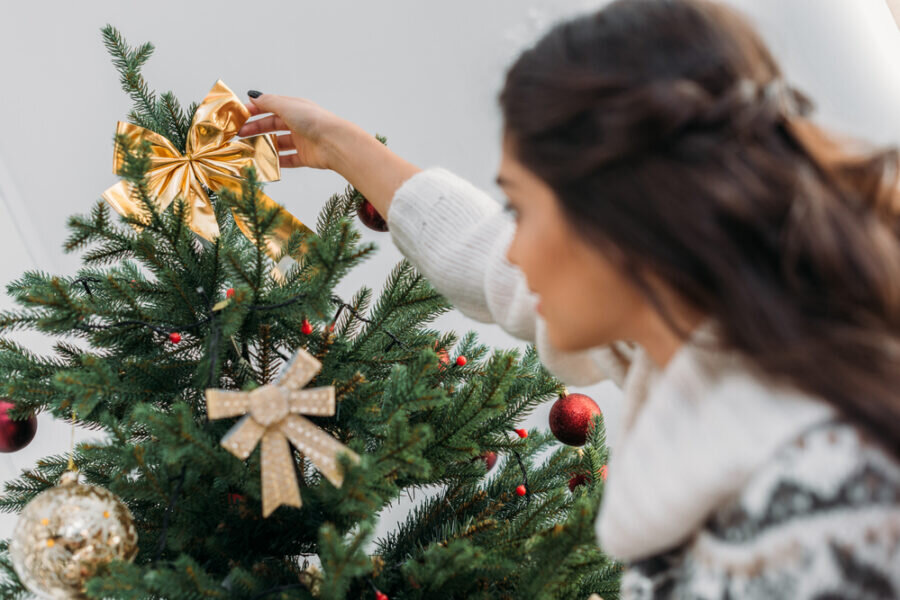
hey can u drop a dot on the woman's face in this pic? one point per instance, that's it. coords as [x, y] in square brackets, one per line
[584, 300]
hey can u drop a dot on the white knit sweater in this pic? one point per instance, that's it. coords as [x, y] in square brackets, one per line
[697, 437]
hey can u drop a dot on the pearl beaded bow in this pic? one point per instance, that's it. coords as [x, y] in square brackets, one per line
[272, 414]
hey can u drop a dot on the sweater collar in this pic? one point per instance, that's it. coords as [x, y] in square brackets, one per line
[690, 362]
[693, 433]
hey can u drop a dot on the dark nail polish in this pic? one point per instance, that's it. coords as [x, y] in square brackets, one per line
[254, 94]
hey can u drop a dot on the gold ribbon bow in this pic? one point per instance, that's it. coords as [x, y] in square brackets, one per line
[271, 415]
[213, 158]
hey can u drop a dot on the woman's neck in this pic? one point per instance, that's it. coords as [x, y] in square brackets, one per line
[658, 339]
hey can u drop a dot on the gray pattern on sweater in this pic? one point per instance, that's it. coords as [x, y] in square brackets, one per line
[821, 521]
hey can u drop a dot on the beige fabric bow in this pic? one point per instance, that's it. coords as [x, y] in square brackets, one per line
[272, 414]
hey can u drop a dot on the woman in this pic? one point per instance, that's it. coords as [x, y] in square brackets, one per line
[693, 237]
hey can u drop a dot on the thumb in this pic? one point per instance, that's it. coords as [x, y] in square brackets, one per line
[267, 102]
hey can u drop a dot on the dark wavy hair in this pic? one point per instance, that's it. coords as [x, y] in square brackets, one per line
[665, 131]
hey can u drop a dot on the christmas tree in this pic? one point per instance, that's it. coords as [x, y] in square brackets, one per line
[158, 316]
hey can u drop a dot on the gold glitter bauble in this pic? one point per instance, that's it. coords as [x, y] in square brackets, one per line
[66, 533]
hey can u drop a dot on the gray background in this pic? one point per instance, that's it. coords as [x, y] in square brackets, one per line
[425, 74]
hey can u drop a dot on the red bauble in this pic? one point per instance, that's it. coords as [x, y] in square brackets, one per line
[15, 435]
[461, 361]
[522, 433]
[570, 418]
[305, 327]
[490, 459]
[370, 217]
[229, 293]
[174, 337]
[521, 490]
[379, 595]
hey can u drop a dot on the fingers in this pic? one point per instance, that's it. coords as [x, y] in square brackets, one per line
[284, 142]
[264, 125]
[289, 161]
[253, 108]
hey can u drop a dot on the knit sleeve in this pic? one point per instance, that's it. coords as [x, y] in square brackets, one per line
[457, 236]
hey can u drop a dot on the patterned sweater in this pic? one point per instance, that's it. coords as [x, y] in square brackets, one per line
[723, 484]
[819, 521]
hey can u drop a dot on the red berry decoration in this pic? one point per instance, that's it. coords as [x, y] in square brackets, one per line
[490, 459]
[521, 490]
[570, 418]
[602, 472]
[370, 217]
[522, 433]
[461, 361]
[15, 435]
[174, 337]
[305, 327]
[229, 293]
[379, 595]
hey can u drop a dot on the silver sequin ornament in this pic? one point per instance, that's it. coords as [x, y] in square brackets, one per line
[66, 533]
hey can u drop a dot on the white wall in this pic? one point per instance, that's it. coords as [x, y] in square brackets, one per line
[425, 74]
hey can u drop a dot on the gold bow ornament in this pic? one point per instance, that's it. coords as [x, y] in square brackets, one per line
[272, 414]
[213, 159]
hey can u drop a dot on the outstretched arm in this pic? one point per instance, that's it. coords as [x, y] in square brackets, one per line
[452, 232]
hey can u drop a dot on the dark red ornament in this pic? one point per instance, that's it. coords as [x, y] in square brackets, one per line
[443, 356]
[15, 435]
[370, 217]
[305, 327]
[490, 459]
[521, 490]
[581, 478]
[461, 361]
[522, 433]
[570, 418]
[174, 337]
[576, 480]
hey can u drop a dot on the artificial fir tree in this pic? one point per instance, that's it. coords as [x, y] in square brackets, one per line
[157, 315]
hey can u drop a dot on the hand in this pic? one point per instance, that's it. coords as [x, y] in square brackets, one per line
[323, 140]
[309, 124]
